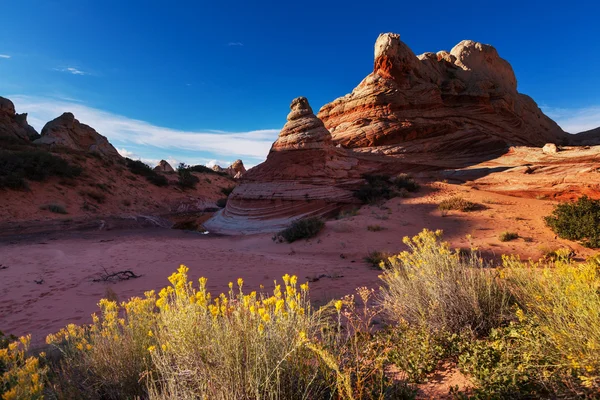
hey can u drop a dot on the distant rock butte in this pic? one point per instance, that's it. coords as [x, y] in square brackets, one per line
[13, 124]
[460, 102]
[68, 132]
[164, 166]
[304, 175]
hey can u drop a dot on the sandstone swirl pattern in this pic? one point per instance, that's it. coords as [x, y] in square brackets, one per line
[463, 102]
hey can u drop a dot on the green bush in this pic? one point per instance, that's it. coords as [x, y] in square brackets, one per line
[186, 179]
[140, 168]
[55, 208]
[508, 236]
[34, 165]
[205, 170]
[227, 191]
[577, 221]
[383, 187]
[302, 229]
[221, 203]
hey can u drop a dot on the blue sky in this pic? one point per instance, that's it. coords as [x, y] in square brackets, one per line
[197, 81]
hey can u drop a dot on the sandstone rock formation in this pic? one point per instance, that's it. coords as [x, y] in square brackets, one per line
[237, 169]
[164, 166]
[529, 172]
[13, 124]
[587, 138]
[68, 132]
[304, 175]
[458, 103]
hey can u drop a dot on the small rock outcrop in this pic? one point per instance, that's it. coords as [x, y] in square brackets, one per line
[462, 102]
[236, 169]
[550, 148]
[13, 124]
[66, 131]
[304, 175]
[164, 166]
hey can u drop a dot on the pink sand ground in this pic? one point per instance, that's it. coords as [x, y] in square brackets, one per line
[68, 263]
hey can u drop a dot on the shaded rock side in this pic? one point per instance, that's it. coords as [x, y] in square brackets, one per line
[66, 131]
[15, 125]
[460, 102]
[304, 175]
[587, 138]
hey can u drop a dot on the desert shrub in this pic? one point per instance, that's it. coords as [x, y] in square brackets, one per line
[417, 351]
[458, 203]
[509, 364]
[577, 221]
[302, 229]
[405, 181]
[239, 346]
[55, 208]
[356, 356]
[158, 180]
[140, 168]
[375, 228]
[561, 300]
[186, 179]
[227, 191]
[439, 288]
[97, 196]
[221, 203]
[347, 213]
[508, 236]
[206, 170]
[382, 187]
[21, 376]
[35, 165]
[110, 358]
[378, 259]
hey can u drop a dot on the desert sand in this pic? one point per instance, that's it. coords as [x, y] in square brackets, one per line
[68, 262]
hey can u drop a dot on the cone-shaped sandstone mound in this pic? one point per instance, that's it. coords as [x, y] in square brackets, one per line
[461, 102]
[304, 175]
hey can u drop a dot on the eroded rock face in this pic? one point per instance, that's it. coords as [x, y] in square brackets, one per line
[68, 132]
[236, 169]
[13, 124]
[164, 166]
[304, 175]
[587, 138]
[460, 102]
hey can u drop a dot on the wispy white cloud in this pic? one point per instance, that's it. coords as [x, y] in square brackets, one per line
[235, 44]
[575, 120]
[72, 70]
[148, 140]
[4, 56]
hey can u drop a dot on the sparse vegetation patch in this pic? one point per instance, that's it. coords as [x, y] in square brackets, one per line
[140, 168]
[35, 165]
[384, 187]
[55, 208]
[302, 229]
[508, 236]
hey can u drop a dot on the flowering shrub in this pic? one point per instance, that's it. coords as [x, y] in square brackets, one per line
[21, 376]
[436, 287]
[235, 346]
